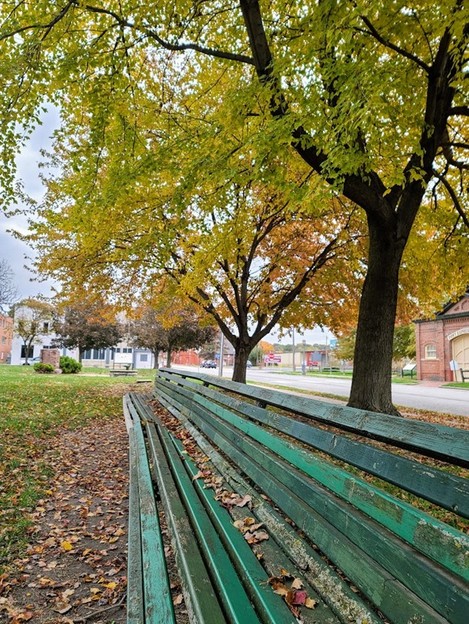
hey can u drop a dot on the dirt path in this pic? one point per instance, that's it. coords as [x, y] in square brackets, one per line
[75, 568]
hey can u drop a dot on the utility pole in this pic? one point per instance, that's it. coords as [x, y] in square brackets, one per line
[222, 347]
[293, 348]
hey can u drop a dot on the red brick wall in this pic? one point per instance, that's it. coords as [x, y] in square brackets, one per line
[6, 336]
[185, 358]
[436, 332]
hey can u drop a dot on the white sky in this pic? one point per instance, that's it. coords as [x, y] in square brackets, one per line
[12, 250]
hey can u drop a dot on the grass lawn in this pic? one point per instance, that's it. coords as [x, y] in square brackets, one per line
[34, 407]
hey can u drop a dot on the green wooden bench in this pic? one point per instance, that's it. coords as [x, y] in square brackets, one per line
[122, 372]
[365, 513]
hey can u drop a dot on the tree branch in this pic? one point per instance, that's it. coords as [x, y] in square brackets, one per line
[454, 197]
[460, 110]
[392, 46]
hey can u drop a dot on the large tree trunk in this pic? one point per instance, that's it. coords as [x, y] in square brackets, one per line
[242, 352]
[372, 369]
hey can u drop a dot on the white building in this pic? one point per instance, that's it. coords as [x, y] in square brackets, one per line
[120, 356]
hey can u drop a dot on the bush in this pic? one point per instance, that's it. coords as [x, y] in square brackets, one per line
[69, 365]
[40, 367]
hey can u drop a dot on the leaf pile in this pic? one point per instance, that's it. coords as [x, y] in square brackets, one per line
[74, 569]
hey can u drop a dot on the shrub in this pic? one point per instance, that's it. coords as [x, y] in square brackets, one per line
[69, 365]
[40, 367]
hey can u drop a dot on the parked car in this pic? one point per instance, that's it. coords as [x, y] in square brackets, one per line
[208, 364]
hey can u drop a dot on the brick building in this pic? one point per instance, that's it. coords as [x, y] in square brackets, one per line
[6, 337]
[443, 340]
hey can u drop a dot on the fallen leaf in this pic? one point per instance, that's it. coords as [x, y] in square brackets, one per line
[66, 545]
[310, 603]
[62, 607]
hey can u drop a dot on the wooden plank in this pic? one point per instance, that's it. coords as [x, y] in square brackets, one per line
[157, 594]
[330, 586]
[444, 544]
[231, 593]
[255, 580]
[427, 438]
[384, 547]
[201, 598]
[437, 486]
[134, 557]
[379, 586]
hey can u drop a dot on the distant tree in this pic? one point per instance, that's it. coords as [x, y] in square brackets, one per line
[404, 342]
[187, 332]
[32, 319]
[345, 346]
[260, 350]
[8, 291]
[87, 326]
[147, 331]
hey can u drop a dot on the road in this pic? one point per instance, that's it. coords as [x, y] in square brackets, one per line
[438, 399]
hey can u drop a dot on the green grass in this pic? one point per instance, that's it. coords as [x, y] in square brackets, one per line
[457, 384]
[33, 408]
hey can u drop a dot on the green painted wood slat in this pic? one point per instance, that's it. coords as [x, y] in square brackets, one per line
[436, 539]
[331, 587]
[437, 486]
[134, 556]
[430, 439]
[387, 550]
[158, 606]
[200, 596]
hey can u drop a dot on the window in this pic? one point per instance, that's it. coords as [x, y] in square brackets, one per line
[45, 327]
[126, 350]
[30, 352]
[94, 354]
[4, 339]
[430, 351]
[143, 357]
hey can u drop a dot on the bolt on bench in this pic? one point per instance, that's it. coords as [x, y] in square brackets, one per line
[283, 509]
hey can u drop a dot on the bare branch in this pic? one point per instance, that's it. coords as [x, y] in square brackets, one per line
[453, 196]
[392, 46]
[460, 110]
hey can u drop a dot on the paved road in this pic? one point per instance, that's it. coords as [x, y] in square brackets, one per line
[435, 398]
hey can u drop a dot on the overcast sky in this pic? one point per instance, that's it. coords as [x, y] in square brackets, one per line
[12, 250]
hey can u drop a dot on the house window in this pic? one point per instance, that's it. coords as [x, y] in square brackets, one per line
[30, 352]
[45, 327]
[126, 350]
[144, 357]
[430, 351]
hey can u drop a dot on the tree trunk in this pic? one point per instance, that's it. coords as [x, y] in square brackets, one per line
[156, 355]
[168, 358]
[372, 368]
[242, 352]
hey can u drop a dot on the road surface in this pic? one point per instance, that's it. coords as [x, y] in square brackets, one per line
[435, 398]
